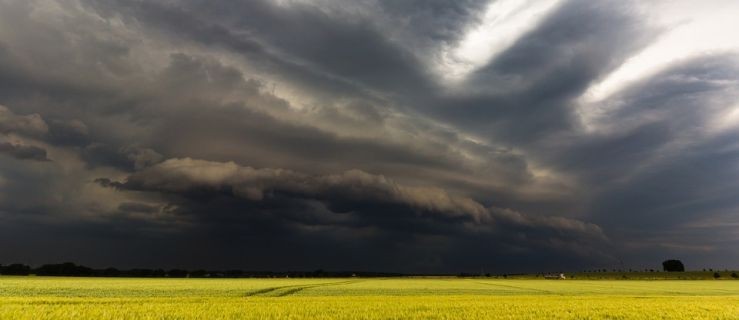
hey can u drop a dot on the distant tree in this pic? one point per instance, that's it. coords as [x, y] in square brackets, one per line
[140, 272]
[716, 275]
[734, 275]
[198, 273]
[234, 273]
[177, 273]
[64, 269]
[111, 272]
[673, 266]
[16, 269]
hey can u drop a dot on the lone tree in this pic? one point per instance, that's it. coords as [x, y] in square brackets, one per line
[673, 266]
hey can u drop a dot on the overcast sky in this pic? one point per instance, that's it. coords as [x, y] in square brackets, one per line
[380, 135]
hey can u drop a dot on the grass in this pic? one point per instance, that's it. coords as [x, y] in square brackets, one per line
[441, 298]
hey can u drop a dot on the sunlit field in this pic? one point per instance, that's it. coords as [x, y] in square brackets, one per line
[357, 298]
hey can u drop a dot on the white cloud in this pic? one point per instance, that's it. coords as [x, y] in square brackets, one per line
[503, 23]
[693, 28]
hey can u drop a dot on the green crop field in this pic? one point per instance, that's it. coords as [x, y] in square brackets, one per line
[358, 298]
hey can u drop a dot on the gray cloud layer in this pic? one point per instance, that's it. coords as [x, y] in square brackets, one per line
[319, 134]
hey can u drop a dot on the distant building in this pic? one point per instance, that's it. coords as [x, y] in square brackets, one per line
[553, 276]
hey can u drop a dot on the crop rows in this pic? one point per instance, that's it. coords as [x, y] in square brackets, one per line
[101, 298]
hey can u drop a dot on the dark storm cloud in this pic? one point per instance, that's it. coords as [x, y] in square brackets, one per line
[189, 22]
[31, 124]
[321, 134]
[341, 192]
[373, 208]
[437, 20]
[345, 46]
[675, 106]
[670, 167]
[194, 117]
[23, 151]
[126, 157]
[526, 92]
[68, 132]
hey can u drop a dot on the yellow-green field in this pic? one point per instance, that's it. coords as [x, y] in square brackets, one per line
[357, 298]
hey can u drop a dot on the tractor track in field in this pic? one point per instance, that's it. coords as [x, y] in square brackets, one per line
[513, 287]
[265, 291]
[293, 289]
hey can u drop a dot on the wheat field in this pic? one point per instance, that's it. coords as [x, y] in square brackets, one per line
[357, 298]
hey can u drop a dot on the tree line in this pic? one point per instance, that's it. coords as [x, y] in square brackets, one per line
[70, 269]
[74, 270]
